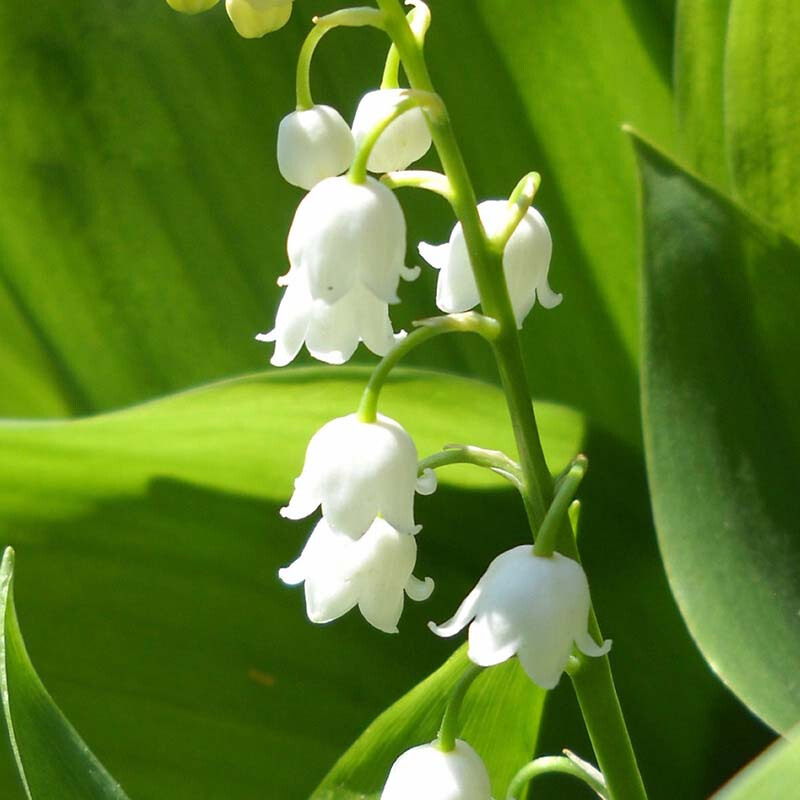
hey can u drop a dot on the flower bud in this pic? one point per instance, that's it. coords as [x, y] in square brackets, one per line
[254, 18]
[428, 773]
[357, 471]
[404, 141]
[535, 607]
[526, 261]
[373, 572]
[313, 144]
[191, 6]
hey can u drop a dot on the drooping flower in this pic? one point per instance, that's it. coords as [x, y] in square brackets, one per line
[526, 261]
[358, 471]
[533, 606]
[373, 572]
[331, 332]
[191, 6]
[404, 141]
[255, 18]
[345, 233]
[313, 144]
[428, 773]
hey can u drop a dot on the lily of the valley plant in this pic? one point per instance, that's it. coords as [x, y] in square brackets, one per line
[346, 262]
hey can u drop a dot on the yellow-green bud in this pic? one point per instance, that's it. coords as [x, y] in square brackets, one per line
[191, 6]
[254, 18]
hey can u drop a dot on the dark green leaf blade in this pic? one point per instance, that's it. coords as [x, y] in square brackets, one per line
[762, 95]
[500, 716]
[53, 761]
[722, 355]
[774, 774]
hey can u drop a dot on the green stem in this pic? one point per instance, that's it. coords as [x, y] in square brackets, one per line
[449, 729]
[495, 460]
[346, 17]
[549, 764]
[470, 322]
[547, 538]
[419, 179]
[519, 202]
[593, 683]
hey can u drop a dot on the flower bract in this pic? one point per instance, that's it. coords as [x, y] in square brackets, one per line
[313, 144]
[373, 573]
[533, 606]
[344, 233]
[358, 471]
[191, 6]
[428, 773]
[404, 141]
[526, 261]
[255, 18]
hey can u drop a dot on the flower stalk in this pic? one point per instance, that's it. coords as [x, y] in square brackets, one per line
[593, 682]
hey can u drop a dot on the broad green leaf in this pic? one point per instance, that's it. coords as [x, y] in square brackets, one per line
[502, 737]
[52, 759]
[722, 355]
[151, 541]
[762, 94]
[700, 32]
[141, 236]
[774, 774]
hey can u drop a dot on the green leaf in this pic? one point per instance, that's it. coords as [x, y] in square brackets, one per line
[722, 376]
[762, 95]
[141, 237]
[700, 33]
[151, 541]
[775, 773]
[492, 724]
[52, 759]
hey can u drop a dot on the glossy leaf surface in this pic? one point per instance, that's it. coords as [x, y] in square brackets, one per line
[722, 345]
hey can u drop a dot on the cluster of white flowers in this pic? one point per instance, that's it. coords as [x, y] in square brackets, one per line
[251, 18]
[346, 250]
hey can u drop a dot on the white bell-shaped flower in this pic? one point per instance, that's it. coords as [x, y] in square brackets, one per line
[358, 471]
[526, 261]
[373, 572]
[345, 233]
[427, 773]
[255, 18]
[404, 141]
[313, 143]
[533, 606]
[331, 332]
[191, 6]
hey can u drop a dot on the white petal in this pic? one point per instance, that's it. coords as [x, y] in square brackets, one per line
[427, 482]
[382, 611]
[492, 639]
[456, 289]
[333, 330]
[546, 296]
[436, 255]
[313, 144]
[589, 647]
[375, 327]
[404, 141]
[291, 322]
[419, 590]
[303, 502]
[459, 620]
[543, 662]
[294, 574]
[410, 273]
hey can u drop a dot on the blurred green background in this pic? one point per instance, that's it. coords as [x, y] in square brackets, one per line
[142, 228]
